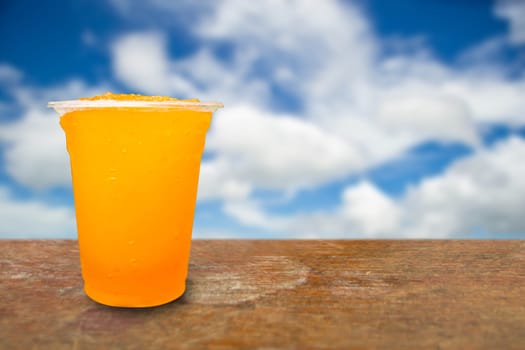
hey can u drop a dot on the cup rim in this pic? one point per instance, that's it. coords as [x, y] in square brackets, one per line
[66, 106]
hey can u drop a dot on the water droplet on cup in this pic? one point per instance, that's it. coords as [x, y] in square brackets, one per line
[169, 133]
[109, 275]
[124, 150]
[133, 261]
[111, 178]
[187, 132]
[131, 242]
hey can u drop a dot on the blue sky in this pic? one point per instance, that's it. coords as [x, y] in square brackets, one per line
[343, 119]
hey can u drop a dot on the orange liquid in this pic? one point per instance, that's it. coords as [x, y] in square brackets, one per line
[135, 173]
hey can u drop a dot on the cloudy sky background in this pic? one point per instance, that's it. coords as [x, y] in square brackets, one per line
[342, 119]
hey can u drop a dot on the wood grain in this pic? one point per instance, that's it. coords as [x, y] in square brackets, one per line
[280, 295]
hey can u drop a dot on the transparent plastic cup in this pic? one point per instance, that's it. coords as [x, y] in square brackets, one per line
[135, 169]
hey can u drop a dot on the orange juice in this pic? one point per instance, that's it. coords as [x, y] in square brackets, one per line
[135, 167]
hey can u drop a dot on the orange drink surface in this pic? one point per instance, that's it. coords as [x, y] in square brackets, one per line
[135, 171]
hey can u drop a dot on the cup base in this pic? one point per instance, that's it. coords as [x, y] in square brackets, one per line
[133, 301]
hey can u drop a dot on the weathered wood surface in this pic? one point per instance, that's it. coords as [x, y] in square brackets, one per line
[280, 294]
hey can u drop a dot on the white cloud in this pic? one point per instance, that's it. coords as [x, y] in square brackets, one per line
[368, 210]
[255, 149]
[364, 211]
[491, 99]
[485, 90]
[514, 12]
[34, 219]
[9, 74]
[35, 150]
[487, 52]
[279, 151]
[325, 59]
[428, 116]
[482, 193]
[217, 181]
[141, 61]
[249, 212]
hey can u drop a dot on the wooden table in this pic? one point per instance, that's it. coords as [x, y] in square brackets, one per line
[280, 294]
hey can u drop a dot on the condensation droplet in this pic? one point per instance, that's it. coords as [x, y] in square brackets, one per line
[124, 150]
[111, 178]
[131, 242]
[187, 132]
[109, 139]
[109, 275]
[133, 261]
[139, 142]
[169, 133]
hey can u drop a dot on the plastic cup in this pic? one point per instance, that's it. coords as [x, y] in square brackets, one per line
[135, 169]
